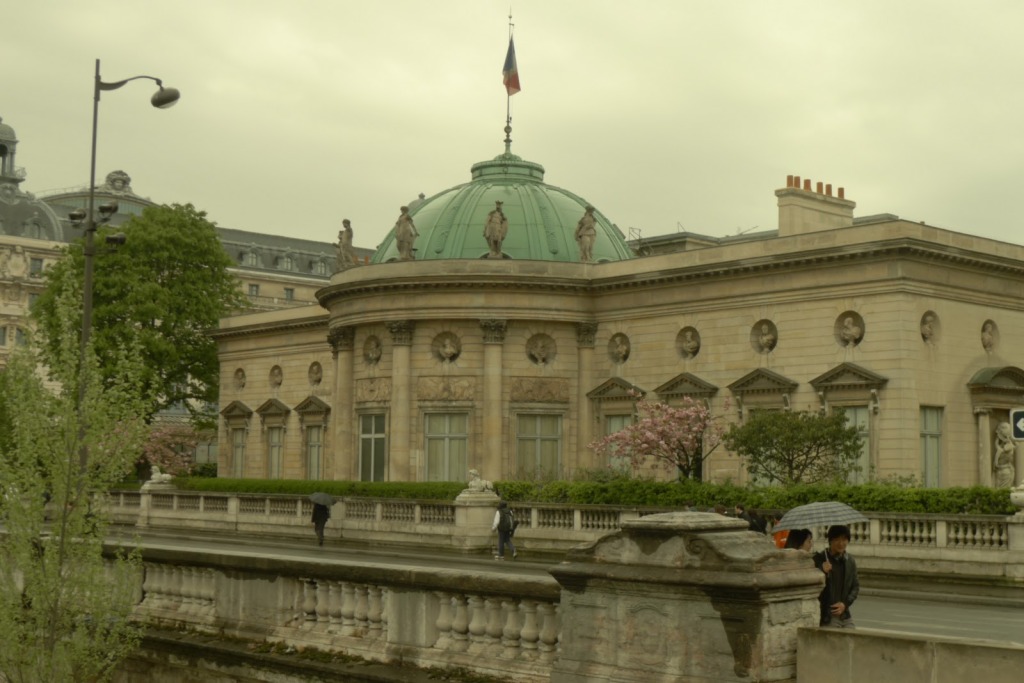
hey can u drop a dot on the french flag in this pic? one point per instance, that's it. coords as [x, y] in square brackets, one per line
[510, 71]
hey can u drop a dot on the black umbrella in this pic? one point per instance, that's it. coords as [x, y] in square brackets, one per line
[322, 499]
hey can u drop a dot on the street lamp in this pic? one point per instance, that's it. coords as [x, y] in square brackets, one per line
[162, 99]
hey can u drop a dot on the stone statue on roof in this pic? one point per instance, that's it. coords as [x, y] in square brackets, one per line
[586, 233]
[118, 181]
[405, 235]
[495, 230]
[346, 253]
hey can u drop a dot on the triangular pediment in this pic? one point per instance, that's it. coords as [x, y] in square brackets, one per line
[615, 389]
[686, 384]
[312, 404]
[1004, 378]
[273, 407]
[848, 376]
[236, 409]
[763, 381]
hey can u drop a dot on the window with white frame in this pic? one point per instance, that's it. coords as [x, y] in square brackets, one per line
[275, 451]
[447, 436]
[931, 445]
[616, 423]
[373, 453]
[539, 445]
[314, 452]
[860, 417]
[238, 452]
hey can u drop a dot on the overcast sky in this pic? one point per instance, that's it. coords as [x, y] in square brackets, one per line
[664, 114]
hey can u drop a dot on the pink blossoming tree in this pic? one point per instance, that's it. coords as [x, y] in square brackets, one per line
[170, 447]
[676, 438]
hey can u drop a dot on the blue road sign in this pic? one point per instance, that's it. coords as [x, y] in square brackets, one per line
[1017, 422]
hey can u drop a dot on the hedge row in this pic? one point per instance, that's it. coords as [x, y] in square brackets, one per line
[646, 493]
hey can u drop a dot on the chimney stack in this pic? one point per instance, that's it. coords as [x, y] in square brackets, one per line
[803, 210]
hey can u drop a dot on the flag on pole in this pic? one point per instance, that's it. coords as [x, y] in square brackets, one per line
[510, 71]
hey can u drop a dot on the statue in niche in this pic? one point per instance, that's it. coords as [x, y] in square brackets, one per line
[495, 230]
[346, 254]
[239, 378]
[276, 376]
[540, 349]
[1003, 469]
[447, 347]
[618, 347]
[405, 235]
[586, 234]
[988, 336]
[372, 351]
[928, 328]
[690, 343]
[850, 333]
[316, 374]
[766, 339]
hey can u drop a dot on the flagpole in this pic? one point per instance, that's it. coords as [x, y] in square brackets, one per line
[508, 96]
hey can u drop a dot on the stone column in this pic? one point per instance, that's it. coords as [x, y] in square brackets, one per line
[401, 463]
[343, 461]
[984, 446]
[696, 596]
[585, 334]
[491, 463]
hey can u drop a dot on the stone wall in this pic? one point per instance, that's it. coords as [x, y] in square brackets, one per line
[859, 656]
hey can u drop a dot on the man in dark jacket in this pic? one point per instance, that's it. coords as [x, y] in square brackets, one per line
[321, 513]
[841, 583]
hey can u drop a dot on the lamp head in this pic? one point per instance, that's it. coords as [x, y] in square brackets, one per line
[107, 210]
[117, 239]
[77, 216]
[165, 97]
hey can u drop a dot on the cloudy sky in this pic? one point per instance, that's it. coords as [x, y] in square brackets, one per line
[665, 114]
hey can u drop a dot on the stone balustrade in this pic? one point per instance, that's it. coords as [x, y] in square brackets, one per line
[981, 549]
[483, 621]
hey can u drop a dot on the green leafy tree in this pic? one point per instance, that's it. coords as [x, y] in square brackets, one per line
[794, 447]
[64, 606]
[164, 288]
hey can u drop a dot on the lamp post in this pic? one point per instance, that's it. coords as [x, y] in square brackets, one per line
[162, 99]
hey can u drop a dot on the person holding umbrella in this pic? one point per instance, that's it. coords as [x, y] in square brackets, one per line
[841, 583]
[322, 503]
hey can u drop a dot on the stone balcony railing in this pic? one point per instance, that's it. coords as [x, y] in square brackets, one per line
[984, 550]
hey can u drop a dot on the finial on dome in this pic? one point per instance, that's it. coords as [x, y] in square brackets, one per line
[508, 139]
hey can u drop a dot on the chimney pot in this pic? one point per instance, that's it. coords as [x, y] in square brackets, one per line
[789, 181]
[821, 186]
[807, 184]
[842, 193]
[796, 182]
[828, 189]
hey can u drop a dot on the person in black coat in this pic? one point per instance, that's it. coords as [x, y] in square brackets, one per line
[321, 513]
[841, 583]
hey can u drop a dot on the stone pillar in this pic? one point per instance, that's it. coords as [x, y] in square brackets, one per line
[344, 463]
[984, 446]
[585, 335]
[401, 463]
[491, 463]
[696, 596]
[474, 515]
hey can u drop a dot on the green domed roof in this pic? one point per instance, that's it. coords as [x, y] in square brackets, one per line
[541, 218]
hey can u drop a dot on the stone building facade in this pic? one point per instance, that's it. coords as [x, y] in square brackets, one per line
[513, 359]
